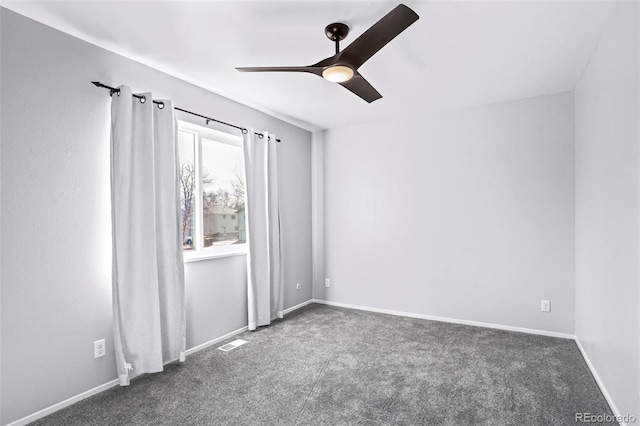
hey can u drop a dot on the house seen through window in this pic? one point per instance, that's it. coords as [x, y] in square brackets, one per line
[212, 190]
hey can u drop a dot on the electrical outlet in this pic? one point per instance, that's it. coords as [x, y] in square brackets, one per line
[99, 348]
[298, 286]
[327, 282]
[545, 305]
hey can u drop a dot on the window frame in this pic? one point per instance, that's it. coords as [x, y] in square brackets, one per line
[199, 252]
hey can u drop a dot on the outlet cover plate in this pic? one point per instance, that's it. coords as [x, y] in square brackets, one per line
[545, 305]
[99, 348]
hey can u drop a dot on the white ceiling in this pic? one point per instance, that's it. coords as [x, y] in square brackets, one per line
[458, 54]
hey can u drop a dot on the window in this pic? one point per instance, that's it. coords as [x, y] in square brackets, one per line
[212, 192]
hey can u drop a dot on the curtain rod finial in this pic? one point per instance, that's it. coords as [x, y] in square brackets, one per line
[97, 83]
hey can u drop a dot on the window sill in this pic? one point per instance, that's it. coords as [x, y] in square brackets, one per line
[213, 254]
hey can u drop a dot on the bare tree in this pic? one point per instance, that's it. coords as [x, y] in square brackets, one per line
[238, 190]
[188, 187]
[216, 197]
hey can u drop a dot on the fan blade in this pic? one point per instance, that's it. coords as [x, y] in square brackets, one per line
[311, 69]
[361, 87]
[327, 62]
[376, 37]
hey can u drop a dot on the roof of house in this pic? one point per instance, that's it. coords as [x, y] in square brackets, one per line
[219, 210]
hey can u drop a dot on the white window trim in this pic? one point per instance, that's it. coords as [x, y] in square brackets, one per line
[200, 252]
[214, 253]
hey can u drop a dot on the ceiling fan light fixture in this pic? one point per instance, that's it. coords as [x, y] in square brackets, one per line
[337, 73]
[342, 68]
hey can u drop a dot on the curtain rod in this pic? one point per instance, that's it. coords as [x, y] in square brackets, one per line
[143, 99]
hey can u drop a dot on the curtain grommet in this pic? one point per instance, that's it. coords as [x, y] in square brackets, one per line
[244, 131]
[161, 105]
[143, 99]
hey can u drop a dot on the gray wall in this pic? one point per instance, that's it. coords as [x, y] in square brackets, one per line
[56, 236]
[466, 215]
[608, 210]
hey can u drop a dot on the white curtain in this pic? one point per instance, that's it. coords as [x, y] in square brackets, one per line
[148, 271]
[264, 260]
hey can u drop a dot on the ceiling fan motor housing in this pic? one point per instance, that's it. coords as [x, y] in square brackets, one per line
[336, 31]
[342, 67]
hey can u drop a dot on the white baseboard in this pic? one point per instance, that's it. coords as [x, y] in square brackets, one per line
[216, 340]
[67, 402]
[450, 320]
[298, 306]
[599, 381]
[238, 331]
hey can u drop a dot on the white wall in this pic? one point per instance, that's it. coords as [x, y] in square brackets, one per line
[607, 210]
[466, 215]
[56, 250]
[317, 206]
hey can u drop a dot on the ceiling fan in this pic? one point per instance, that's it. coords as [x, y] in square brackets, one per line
[342, 68]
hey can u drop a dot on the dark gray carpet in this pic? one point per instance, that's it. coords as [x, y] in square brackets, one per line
[323, 365]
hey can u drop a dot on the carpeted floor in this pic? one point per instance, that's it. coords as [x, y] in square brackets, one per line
[324, 365]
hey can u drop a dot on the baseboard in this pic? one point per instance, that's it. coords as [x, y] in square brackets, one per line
[600, 383]
[113, 383]
[298, 306]
[216, 340]
[449, 320]
[67, 402]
